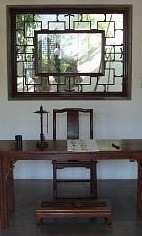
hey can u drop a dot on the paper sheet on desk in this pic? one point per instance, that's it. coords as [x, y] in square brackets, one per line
[78, 145]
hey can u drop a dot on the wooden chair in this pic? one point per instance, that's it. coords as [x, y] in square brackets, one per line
[73, 117]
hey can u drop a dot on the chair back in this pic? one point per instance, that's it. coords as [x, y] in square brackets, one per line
[73, 115]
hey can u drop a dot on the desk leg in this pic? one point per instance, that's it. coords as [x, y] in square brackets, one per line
[5, 168]
[139, 187]
[3, 203]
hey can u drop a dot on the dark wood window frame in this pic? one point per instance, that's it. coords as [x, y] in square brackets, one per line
[126, 10]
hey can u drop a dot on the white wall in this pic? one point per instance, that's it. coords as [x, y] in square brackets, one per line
[113, 119]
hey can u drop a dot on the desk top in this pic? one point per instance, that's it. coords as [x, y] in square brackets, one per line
[122, 149]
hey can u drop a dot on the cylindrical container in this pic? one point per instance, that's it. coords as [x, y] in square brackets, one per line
[18, 142]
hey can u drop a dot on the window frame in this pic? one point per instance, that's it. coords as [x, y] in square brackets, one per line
[127, 67]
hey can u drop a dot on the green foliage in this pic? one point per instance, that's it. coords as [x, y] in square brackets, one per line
[25, 23]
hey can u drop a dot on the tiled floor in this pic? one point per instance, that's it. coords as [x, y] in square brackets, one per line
[121, 193]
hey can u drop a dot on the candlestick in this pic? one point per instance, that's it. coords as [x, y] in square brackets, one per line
[42, 142]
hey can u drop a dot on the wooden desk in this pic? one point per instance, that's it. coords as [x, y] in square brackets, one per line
[128, 149]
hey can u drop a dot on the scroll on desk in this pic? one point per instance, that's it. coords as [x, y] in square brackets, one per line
[78, 145]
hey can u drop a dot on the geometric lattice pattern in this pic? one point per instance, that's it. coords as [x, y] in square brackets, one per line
[42, 65]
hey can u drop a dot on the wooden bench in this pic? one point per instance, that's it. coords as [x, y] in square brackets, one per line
[74, 208]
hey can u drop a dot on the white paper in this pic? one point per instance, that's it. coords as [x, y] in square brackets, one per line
[78, 145]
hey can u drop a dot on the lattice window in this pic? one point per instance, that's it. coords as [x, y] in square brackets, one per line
[70, 53]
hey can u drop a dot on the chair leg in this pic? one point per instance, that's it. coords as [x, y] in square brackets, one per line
[93, 180]
[54, 181]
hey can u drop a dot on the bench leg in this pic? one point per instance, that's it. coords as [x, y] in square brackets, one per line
[39, 220]
[108, 220]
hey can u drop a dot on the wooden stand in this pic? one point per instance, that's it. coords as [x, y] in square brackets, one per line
[74, 208]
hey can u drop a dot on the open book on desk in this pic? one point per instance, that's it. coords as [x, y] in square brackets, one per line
[79, 145]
